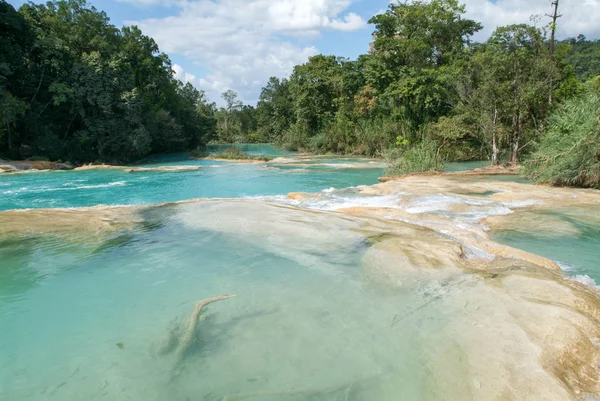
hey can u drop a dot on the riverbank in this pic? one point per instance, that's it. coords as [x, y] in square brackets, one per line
[130, 169]
[498, 170]
[231, 154]
[27, 166]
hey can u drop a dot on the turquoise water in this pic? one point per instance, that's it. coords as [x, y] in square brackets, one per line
[305, 318]
[465, 166]
[252, 149]
[86, 315]
[213, 180]
[577, 254]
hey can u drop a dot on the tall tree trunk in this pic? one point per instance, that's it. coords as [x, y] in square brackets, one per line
[514, 159]
[516, 123]
[516, 135]
[9, 137]
[39, 85]
[554, 17]
[495, 150]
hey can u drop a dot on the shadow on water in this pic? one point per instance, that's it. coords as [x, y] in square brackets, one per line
[16, 278]
[24, 266]
[24, 263]
[486, 194]
[211, 335]
[154, 219]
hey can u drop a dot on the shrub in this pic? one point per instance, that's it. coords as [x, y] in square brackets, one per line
[569, 153]
[233, 154]
[294, 138]
[378, 136]
[39, 159]
[420, 158]
[199, 153]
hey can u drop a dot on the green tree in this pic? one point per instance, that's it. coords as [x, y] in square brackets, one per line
[414, 41]
[15, 42]
[274, 112]
[75, 87]
[522, 71]
[229, 127]
[584, 56]
[314, 87]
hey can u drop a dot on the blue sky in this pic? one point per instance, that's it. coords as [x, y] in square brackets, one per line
[238, 44]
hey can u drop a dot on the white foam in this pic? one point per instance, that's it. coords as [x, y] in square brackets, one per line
[112, 184]
[521, 204]
[65, 187]
[274, 198]
[585, 279]
[15, 191]
[335, 202]
[433, 203]
[443, 204]
[581, 278]
[566, 267]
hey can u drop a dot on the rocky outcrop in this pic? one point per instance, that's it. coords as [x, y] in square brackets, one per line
[164, 169]
[79, 225]
[26, 165]
[99, 167]
[7, 168]
[218, 159]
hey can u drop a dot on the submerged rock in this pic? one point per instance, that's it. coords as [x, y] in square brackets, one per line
[80, 225]
[166, 169]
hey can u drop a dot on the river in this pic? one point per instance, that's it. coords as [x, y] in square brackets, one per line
[344, 290]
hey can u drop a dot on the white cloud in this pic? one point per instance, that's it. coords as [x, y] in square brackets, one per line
[164, 3]
[241, 43]
[191, 78]
[183, 76]
[579, 16]
[351, 22]
[179, 74]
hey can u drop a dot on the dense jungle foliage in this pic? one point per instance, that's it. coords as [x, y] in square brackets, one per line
[425, 93]
[74, 87]
[569, 153]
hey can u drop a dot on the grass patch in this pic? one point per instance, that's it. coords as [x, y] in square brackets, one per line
[231, 154]
[421, 158]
